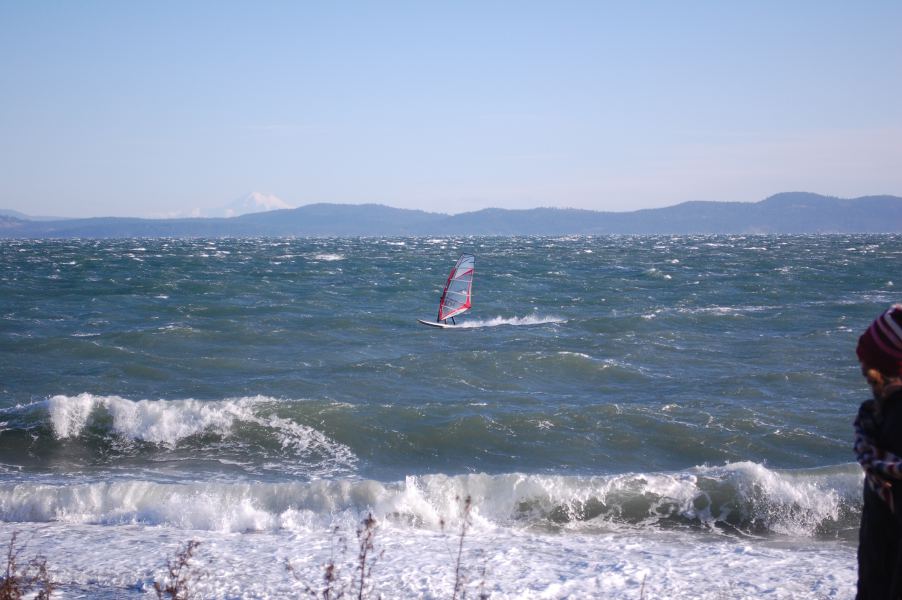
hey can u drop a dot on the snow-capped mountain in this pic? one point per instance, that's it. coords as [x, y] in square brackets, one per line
[252, 203]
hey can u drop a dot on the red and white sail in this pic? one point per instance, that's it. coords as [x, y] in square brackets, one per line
[457, 296]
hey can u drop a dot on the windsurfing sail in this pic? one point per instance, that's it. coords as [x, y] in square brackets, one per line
[457, 296]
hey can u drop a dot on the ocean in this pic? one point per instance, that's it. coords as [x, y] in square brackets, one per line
[630, 417]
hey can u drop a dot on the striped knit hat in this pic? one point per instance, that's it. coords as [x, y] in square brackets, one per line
[880, 347]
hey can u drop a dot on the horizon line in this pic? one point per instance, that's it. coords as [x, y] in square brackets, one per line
[379, 204]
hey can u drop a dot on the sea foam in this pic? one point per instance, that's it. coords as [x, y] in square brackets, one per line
[516, 321]
[743, 498]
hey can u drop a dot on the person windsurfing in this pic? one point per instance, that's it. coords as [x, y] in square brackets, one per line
[457, 296]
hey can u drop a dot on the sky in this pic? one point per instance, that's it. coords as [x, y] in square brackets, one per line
[161, 108]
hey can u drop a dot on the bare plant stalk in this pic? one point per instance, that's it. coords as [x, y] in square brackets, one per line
[17, 582]
[336, 585]
[459, 579]
[178, 587]
[330, 579]
[333, 587]
[483, 594]
[11, 586]
[41, 578]
[366, 535]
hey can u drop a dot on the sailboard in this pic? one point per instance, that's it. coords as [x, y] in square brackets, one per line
[457, 297]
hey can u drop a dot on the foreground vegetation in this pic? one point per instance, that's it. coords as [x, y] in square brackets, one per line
[21, 580]
[32, 578]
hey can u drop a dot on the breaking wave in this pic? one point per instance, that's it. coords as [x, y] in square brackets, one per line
[240, 431]
[745, 499]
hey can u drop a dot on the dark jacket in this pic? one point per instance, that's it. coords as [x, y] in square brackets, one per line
[880, 536]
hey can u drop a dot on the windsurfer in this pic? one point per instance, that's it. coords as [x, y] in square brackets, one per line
[457, 294]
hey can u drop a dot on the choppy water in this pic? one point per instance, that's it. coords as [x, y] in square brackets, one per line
[658, 415]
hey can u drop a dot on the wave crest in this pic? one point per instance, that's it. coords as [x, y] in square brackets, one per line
[739, 498]
[157, 421]
[247, 433]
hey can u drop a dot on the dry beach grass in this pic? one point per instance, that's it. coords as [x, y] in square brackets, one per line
[29, 579]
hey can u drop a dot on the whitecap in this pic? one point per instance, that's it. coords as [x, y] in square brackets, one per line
[514, 321]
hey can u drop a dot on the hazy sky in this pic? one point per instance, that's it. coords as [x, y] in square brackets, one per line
[155, 108]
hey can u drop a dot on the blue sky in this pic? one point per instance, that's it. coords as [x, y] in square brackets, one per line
[158, 108]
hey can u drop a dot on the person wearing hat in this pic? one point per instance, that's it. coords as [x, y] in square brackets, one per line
[878, 446]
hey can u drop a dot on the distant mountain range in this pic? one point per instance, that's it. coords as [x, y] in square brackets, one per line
[17, 215]
[794, 212]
